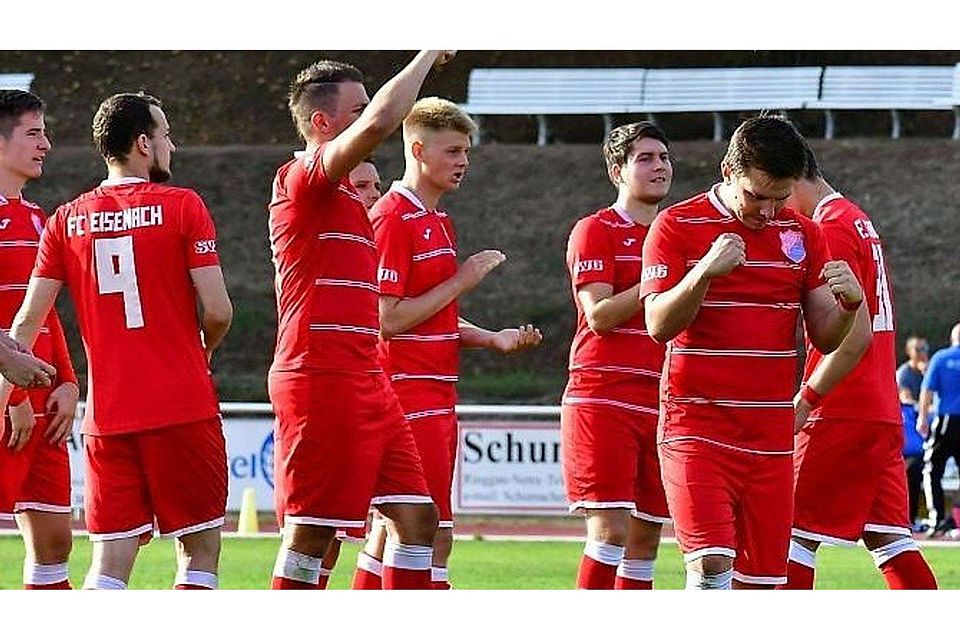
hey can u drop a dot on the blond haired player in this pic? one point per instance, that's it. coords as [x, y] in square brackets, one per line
[421, 330]
[341, 437]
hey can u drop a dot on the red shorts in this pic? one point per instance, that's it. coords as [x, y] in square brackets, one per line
[610, 461]
[731, 503]
[850, 478]
[341, 439]
[36, 478]
[175, 476]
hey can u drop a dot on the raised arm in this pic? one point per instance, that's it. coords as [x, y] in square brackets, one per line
[381, 117]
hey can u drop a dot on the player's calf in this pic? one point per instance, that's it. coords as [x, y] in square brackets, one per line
[900, 561]
[300, 556]
[710, 572]
[198, 559]
[408, 554]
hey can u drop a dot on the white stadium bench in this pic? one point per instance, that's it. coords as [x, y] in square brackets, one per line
[20, 81]
[895, 88]
[543, 92]
[717, 90]
[953, 102]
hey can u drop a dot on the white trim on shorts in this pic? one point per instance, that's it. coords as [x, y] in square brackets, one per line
[709, 551]
[402, 499]
[820, 537]
[122, 535]
[323, 522]
[580, 506]
[887, 528]
[203, 526]
[342, 536]
[445, 524]
[649, 517]
[7, 516]
[768, 580]
[41, 506]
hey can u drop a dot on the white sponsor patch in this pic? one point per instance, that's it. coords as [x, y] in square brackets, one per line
[654, 272]
[387, 275]
[584, 266]
[205, 246]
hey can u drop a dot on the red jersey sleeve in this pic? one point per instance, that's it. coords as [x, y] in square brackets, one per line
[61, 354]
[199, 234]
[50, 253]
[308, 176]
[589, 255]
[664, 260]
[395, 254]
[818, 254]
[843, 243]
[18, 395]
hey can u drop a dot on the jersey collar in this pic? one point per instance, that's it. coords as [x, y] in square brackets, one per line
[624, 216]
[818, 210]
[408, 194]
[115, 182]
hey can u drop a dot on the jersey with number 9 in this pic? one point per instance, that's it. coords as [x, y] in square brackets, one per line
[869, 392]
[125, 251]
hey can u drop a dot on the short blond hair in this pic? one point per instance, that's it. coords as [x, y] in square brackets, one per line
[437, 114]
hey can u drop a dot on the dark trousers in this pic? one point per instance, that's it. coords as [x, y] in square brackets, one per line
[944, 443]
[914, 465]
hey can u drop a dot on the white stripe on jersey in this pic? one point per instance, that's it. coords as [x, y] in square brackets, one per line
[331, 282]
[759, 264]
[422, 376]
[765, 305]
[428, 413]
[733, 353]
[628, 258]
[735, 404]
[348, 237]
[633, 332]
[13, 287]
[436, 253]
[345, 328]
[575, 400]
[725, 445]
[18, 243]
[617, 369]
[433, 337]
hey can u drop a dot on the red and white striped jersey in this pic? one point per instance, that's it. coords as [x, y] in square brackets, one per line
[326, 272]
[731, 374]
[620, 367]
[869, 392]
[417, 251]
[21, 223]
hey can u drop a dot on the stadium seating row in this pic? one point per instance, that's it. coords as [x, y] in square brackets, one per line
[607, 91]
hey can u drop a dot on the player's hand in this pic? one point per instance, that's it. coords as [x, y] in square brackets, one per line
[923, 427]
[22, 421]
[477, 266]
[443, 57]
[13, 345]
[61, 409]
[801, 411]
[23, 370]
[842, 282]
[727, 252]
[512, 341]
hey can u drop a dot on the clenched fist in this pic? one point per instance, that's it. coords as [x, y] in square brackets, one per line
[727, 252]
[443, 57]
[477, 266]
[842, 282]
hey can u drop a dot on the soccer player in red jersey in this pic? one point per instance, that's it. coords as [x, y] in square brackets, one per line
[726, 275]
[850, 479]
[34, 467]
[608, 418]
[421, 329]
[137, 256]
[341, 435]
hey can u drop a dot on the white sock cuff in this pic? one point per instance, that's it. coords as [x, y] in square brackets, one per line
[324, 572]
[439, 574]
[197, 578]
[602, 552]
[699, 581]
[369, 564]
[636, 569]
[888, 552]
[801, 555]
[103, 583]
[297, 566]
[407, 556]
[44, 574]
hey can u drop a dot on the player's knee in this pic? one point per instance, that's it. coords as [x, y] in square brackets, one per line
[201, 546]
[54, 548]
[309, 540]
[711, 565]
[644, 539]
[710, 572]
[610, 527]
[417, 524]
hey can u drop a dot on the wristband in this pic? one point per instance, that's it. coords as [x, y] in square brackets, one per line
[810, 395]
[849, 306]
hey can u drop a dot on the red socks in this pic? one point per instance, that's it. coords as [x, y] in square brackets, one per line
[406, 566]
[598, 566]
[369, 574]
[634, 574]
[801, 569]
[903, 566]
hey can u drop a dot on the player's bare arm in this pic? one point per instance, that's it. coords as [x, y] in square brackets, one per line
[605, 310]
[829, 310]
[399, 314]
[670, 312]
[215, 301]
[381, 117]
[836, 366]
[923, 412]
[506, 341]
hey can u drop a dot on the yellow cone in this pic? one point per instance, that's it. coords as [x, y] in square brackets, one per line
[247, 524]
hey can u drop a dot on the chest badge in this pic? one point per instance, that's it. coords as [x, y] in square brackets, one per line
[629, 241]
[4, 223]
[426, 233]
[791, 242]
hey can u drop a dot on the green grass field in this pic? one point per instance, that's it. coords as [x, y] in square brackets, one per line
[247, 564]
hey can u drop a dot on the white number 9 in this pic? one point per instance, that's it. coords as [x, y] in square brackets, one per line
[117, 273]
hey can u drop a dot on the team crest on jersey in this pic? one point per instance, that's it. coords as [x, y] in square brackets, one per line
[426, 233]
[5, 223]
[629, 241]
[791, 242]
